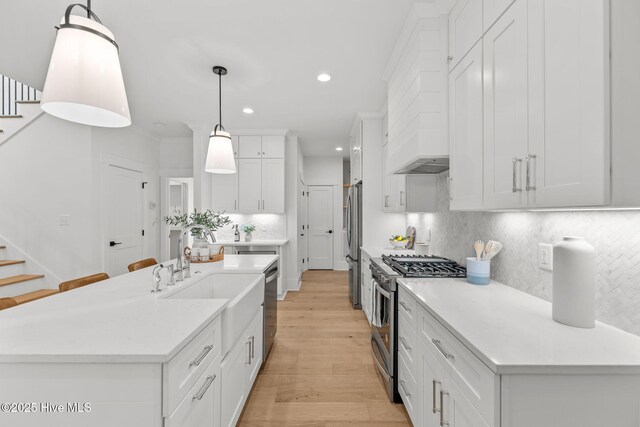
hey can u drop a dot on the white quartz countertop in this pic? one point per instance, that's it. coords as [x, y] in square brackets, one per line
[513, 332]
[117, 320]
[276, 242]
[378, 251]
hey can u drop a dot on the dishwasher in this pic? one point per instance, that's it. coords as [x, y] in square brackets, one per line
[270, 312]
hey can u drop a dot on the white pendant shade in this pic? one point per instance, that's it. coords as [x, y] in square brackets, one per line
[84, 83]
[220, 153]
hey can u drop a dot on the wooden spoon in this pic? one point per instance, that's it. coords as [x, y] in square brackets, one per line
[478, 246]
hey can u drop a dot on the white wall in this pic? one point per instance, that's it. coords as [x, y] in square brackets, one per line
[176, 157]
[52, 168]
[328, 171]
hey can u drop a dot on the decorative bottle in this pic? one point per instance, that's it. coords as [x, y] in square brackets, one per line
[574, 282]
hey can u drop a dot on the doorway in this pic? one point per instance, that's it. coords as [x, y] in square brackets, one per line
[177, 199]
[124, 209]
[320, 214]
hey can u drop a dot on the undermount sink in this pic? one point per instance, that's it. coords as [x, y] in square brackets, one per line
[245, 293]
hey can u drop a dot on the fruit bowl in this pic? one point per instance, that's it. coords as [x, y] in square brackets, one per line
[397, 244]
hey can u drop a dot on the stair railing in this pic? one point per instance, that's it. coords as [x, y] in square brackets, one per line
[12, 91]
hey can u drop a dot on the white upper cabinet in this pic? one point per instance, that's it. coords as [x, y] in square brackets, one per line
[273, 147]
[546, 112]
[250, 185]
[273, 186]
[466, 133]
[505, 109]
[259, 184]
[492, 9]
[465, 29]
[250, 146]
[356, 153]
[225, 191]
[235, 146]
[569, 137]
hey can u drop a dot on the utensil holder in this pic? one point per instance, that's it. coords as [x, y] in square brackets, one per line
[478, 271]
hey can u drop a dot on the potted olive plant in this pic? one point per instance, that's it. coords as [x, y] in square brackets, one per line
[248, 232]
[210, 219]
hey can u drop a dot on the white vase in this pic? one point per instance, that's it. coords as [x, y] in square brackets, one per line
[574, 282]
[248, 237]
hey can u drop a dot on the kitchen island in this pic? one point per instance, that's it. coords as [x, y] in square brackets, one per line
[135, 358]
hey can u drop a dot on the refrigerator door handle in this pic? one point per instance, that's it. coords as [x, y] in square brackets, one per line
[349, 219]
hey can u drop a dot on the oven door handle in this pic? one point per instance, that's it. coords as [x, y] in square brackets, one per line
[373, 354]
[382, 291]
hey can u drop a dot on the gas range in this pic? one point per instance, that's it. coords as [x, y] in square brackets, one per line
[424, 266]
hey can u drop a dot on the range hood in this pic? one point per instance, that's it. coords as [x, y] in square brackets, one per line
[425, 166]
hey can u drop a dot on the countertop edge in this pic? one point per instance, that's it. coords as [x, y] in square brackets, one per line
[524, 369]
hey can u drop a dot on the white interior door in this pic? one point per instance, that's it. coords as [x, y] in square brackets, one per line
[124, 220]
[303, 232]
[320, 227]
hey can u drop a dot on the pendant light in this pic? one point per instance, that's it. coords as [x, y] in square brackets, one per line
[220, 152]
[84, 83]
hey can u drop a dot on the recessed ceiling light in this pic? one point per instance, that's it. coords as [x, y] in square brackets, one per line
[247, 110]
[160, 125]
[324, 77]
[338, 148]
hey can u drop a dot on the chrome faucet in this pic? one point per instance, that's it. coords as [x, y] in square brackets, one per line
[183, 270]
[156, 278]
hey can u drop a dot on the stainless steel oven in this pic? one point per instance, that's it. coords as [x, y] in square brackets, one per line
[384, 339]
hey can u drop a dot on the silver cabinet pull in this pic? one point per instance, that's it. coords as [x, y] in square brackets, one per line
[444, 352]
[386, 201]
[515, 162]
[433, 395]
[203, 390]
[529, 186]
[404, 305]
[249, 352]
[263, 205]
[201, 356]
[258, 204]
[402, 198]
[253, 347]
[442, 421]
[404, 389]
[235, 205]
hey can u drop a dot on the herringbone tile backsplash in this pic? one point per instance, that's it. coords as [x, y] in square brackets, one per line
[614, 234]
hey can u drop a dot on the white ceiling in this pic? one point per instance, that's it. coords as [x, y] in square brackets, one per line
[274, 49]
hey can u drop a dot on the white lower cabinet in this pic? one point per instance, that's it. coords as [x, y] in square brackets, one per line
[239, 370]
[201, 406]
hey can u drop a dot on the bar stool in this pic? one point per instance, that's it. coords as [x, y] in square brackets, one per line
[139, 265]
[82, 281]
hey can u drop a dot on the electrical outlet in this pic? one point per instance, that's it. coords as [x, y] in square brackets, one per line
[545, 256]
[263, 228]
[65, 220]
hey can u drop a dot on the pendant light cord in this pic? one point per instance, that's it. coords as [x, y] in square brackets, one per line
[89, 9]
[220, 99]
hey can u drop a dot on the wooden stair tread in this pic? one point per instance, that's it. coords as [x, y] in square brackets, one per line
[5, 262]
[19, 279]
[35, 295]
[13, 116]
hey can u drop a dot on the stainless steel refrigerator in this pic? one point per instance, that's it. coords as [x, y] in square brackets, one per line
[354, 241]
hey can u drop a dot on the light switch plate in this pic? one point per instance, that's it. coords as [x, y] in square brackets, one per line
[545, 256]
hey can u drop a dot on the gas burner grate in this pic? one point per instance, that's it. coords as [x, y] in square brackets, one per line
[424, 266]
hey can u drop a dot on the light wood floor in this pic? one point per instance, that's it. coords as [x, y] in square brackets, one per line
[320, 372]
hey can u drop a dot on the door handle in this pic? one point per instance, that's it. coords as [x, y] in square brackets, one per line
[514, 165]
[330, 231]
[112, 243]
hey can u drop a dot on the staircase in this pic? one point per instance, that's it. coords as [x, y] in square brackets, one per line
[20, 105]
[16, 283]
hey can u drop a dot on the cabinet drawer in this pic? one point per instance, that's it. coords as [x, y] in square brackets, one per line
[408, 390]
[407, 306]
[407, 341]
[477, 382]
[186, 367]
[200, 406]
